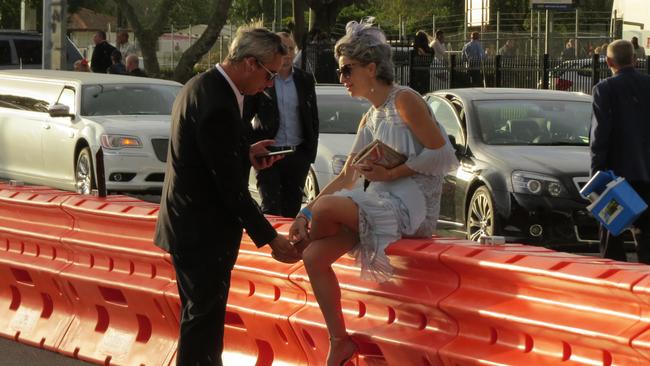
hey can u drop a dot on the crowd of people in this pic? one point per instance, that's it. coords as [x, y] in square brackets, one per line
[121, 59]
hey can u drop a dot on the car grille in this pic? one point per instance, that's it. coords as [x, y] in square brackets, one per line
[160, 148]
[155, 177]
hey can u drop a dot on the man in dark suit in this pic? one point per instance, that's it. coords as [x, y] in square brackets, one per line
[620, 138]
[287, 113]
[205, 202]
[101, 59]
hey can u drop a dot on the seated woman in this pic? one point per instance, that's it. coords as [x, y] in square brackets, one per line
[402, 201]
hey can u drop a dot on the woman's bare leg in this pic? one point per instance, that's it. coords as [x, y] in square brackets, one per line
[333, 233]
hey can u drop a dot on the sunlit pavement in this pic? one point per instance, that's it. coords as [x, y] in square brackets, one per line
[13, 353]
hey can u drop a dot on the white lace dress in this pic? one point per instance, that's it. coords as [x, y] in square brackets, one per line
[407, 206]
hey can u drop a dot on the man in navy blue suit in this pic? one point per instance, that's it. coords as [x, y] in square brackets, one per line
[620, 138]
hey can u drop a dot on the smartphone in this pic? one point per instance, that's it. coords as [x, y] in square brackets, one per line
[274, 153]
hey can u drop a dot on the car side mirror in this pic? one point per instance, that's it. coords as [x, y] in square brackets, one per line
[60, 110]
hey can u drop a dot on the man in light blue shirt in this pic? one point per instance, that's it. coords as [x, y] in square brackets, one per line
[473, 55]
[286, 113]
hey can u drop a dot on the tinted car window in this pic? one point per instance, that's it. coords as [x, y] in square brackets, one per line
[5, 53]
[533, 122]
[340, 113]
[23, 103]
[29, 51]
[127, 99]
[446, 116]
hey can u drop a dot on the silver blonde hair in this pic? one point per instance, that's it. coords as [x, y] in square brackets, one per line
[367, 44]
[259, 43]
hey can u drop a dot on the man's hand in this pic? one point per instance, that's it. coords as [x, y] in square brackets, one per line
[259, 148]
[283, 251]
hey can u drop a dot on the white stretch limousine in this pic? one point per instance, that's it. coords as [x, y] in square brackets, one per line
[52, 123]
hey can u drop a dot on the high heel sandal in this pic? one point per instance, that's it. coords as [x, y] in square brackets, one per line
[353, 349]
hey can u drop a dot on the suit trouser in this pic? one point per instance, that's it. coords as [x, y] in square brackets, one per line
[613, 247]
[281, 185]
[203, 281]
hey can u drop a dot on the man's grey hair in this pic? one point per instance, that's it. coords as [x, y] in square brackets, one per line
[622, 52]
[367, 45]
[259, 43]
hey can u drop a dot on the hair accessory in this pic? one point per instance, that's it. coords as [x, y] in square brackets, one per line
[365, 28]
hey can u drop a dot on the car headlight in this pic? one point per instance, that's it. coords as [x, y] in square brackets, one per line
[120, 141]
[537, 184]
[338, 162]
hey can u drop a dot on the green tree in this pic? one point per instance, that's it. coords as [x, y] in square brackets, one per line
[9, 14]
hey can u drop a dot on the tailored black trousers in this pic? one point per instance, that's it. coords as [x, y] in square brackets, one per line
[613, 247]
[281, 185]
[203, 281]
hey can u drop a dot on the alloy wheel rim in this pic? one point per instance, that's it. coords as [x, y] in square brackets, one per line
[82, 175]
[480, 218]
[309, 190]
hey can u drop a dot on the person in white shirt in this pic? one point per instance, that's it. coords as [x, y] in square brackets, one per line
[438, 46]
[123, 45]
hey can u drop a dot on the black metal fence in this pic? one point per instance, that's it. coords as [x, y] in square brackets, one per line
[428, 73]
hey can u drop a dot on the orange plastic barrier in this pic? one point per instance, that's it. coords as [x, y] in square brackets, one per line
[80, 275]
[116, 284]
[33, 309]
[261, 300]
[522, 308]
[395, 323]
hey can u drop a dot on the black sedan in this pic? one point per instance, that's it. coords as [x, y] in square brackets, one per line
[524, 155]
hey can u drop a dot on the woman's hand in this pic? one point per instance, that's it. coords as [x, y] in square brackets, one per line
[374, 172]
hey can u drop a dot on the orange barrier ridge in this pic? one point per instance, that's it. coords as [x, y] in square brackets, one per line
[260, 302]
[116, 283]
[544, 309]
[109, 296]
[33, 308]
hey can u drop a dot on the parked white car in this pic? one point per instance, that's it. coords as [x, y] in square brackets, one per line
[339, 116]
[53, 123]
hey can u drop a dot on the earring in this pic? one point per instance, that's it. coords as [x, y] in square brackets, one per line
[372, 90]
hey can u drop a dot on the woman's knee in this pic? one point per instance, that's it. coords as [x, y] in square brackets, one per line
[324, 207]
[333, 209]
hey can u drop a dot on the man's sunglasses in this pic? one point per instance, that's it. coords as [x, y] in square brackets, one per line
[345, 70]
[271, 75]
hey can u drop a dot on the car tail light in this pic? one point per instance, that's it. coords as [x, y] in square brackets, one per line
[563, 84]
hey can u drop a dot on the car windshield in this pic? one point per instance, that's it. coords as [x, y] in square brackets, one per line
[127, 99]
[340, 113]
[534, 122]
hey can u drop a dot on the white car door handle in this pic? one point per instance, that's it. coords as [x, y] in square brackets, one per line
[47, 127]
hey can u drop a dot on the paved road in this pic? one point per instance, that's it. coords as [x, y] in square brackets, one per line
[17, 354]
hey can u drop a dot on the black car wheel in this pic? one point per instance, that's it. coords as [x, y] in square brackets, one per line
[481, 217]
[83, 173]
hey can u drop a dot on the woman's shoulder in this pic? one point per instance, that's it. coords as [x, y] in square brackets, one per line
[405, 97]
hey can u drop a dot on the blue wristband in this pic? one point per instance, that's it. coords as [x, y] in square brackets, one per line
[306, 212]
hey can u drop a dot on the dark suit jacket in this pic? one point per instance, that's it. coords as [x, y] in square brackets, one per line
[269, 115]
[205, 200]
[620, 128]
[101, 59]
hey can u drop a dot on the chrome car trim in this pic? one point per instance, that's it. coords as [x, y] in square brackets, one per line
[578, 180]
[580, 240]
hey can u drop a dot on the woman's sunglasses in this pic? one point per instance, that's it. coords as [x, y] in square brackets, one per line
[345, 70]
